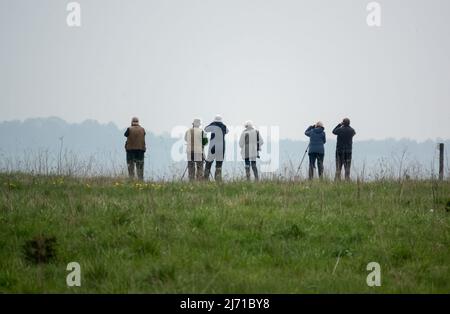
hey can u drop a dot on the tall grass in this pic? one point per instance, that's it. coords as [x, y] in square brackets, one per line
[270, 237]
[112, 164]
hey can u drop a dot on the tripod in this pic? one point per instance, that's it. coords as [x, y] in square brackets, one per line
[301, 162]
[184, 173]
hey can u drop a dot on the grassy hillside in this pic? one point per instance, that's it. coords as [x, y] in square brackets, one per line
[269, 237]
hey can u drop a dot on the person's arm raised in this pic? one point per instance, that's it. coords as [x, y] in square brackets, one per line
[336, 129]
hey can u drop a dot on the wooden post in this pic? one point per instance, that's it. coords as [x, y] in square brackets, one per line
[441, 161]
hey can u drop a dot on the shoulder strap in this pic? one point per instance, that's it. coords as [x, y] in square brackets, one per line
[257, 140]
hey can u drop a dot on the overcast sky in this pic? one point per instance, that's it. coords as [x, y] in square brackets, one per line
[277, 62]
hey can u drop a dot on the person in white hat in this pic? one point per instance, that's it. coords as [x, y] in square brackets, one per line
[216, 149]
[195, 139]
[135, 148]
[250, 143]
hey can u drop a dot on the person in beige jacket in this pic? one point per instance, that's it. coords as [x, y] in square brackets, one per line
[250, 143]
[195, 139]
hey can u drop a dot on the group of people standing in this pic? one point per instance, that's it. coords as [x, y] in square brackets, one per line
[316, 148]
[250, 142]
[196, 139]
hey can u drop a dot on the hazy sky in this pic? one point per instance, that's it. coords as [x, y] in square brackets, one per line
[277, 62]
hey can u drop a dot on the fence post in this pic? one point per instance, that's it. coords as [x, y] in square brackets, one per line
[441, 161]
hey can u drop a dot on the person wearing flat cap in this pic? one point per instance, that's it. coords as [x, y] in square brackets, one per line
[135, 148]
[195, 139]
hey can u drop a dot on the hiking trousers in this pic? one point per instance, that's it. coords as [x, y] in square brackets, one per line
[135, 159]
[217, 174]
[195, 170]
[251, 163]
[312, 164]
[343, 158]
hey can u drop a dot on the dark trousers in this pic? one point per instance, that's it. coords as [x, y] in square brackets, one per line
[217, 174]
[135, 158]
[195, 170]
[312, 164]
[343, 158]
[251, 163]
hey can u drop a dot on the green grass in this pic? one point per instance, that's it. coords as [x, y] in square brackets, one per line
[271, 237]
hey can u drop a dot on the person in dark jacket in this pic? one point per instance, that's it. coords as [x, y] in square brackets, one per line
[317, 139]
[216, 150]
[344, 148]
[135, 148]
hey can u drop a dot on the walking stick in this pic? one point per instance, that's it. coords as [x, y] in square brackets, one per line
[301, 162]
[184, 172]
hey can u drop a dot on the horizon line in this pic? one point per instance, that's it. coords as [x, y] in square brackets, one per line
[167, 133]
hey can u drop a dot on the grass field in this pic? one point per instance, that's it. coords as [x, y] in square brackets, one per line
[270, 237]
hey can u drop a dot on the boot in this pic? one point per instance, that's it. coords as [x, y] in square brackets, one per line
[191, 170]
[347, 170]
[218, 174]
[140, 170]
[347, 175]
[131, 169]
[199, 165]
[320, 166]
[311, 172]
[255, 172]
[320, 169]
[247, 173]
[207, 170]
[337, 176]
